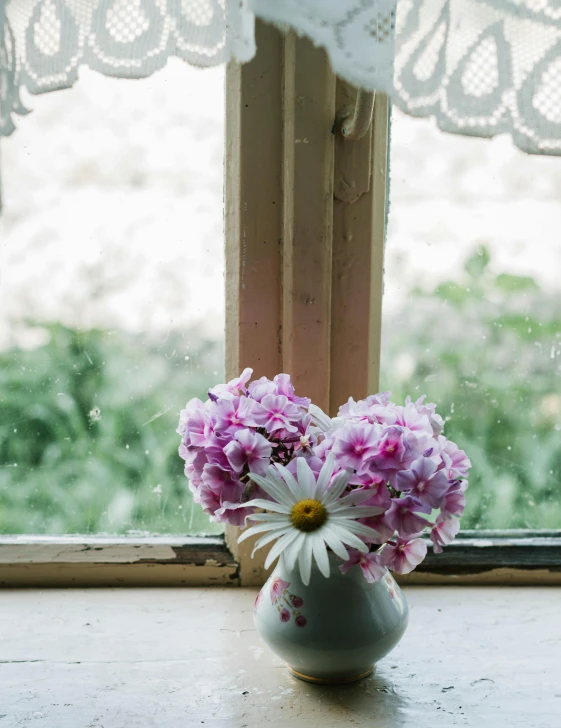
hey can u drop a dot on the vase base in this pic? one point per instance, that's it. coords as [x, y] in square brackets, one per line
[329, 680]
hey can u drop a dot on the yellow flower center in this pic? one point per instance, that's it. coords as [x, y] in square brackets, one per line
[308, 515]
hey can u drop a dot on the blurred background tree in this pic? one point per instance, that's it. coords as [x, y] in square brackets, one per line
[112, 304]
[87, 433]
[487, 349]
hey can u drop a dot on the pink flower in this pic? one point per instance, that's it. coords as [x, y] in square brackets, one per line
[380, 524]
[396, 448]
[277, 588]
[261, 387]
[251, 449]
[223, 483]
[428, 409]
[424, 482]
[313, 461]
[233, 513]
[410, 417]
[284, 615]
[455, 459]
[370, 565]
[209, 500]
[454, 502]
[236, 414]
[214, 451]
[443, 532]
[301, 621]
[277, 413]
[297, 602]
[199, 424]
[355, 444]
[376, 485]
[234, 387]
[190, 408]
[402, 516]
[285, 386]
[374, 409]
[403, 556]
[195, 460]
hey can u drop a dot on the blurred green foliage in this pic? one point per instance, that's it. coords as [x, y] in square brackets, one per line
[87, 425]
[486, 348]
[87, 432]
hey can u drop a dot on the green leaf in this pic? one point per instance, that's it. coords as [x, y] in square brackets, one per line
[513, 284]
[452, 293]
[476, 264]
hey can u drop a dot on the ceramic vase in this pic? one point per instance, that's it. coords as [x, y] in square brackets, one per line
[333, 630]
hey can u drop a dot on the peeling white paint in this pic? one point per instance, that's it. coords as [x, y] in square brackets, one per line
[68, 554]
[92, 550]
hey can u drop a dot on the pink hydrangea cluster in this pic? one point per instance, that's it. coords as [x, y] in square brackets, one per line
[241, 429]
[399, 459]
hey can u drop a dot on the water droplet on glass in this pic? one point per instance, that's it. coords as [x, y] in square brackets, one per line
[94, 414]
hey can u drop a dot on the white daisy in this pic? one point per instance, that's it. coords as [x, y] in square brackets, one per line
[308, 517]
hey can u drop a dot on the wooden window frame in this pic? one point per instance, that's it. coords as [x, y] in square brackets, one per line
[305, 219]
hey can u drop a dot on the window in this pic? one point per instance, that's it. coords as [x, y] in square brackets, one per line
[472, 311]
[111, 302]
[285, 237]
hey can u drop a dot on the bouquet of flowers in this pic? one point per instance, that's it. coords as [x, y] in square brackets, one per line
[365, 485]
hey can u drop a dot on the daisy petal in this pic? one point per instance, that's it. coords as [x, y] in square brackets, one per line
[306, 479]
[248, 532]
[337, 487]
[268, 505]
[334, 543]
[291, 552]
[348, 538]
[322, 420]
[264, 540]
[279, 546]
[359, 529]
[356, 497]
[325, 475]
[290, 480]
[273, 489]
[305, 561]
[280, 517]
[320, 553]
[356, 511]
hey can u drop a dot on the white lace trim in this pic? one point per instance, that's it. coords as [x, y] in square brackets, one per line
[481, 67]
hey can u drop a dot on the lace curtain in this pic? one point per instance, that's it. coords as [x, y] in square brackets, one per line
[481, 67]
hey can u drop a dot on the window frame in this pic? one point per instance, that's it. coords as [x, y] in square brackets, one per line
[296, 192]
[474, 558]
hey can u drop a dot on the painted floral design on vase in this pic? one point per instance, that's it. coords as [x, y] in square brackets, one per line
[349, 623]
[288, 604]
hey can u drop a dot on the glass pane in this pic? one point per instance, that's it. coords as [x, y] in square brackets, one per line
[473, 311]
[111, 300]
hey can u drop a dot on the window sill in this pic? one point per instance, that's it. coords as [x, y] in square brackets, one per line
[475, 557]
[478, 657]
[115, 561]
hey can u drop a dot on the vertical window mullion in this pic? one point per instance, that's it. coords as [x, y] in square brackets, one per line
[303, 265]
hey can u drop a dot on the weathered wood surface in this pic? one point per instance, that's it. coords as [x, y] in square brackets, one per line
[41, 561]
[177, 658]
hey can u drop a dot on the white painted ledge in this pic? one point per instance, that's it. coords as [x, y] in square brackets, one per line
[105, 549]
[481, 657]
[37, 561]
